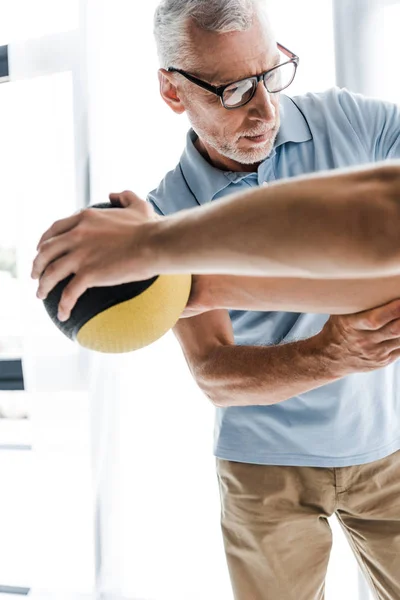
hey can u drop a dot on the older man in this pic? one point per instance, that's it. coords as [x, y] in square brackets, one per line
[307, 422]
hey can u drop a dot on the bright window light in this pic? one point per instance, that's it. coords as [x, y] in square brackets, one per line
[313, 44]
[24, 19]
[390, 40]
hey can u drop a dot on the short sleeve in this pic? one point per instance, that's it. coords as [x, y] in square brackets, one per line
[154, 205]
[375, 122]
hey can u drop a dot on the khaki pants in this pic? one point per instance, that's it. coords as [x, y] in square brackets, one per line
[277, 537]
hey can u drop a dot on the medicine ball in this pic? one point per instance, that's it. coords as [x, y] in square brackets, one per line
[122, 318]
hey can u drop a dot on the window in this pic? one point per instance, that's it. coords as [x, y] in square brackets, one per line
[45, 477]
[24, 19]
[314, 45]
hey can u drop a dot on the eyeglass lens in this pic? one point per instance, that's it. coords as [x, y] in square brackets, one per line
[277, 80]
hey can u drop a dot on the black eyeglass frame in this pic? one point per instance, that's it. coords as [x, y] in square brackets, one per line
[219, 90]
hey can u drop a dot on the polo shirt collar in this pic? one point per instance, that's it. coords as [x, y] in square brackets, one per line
[294, 126]
[205, 181]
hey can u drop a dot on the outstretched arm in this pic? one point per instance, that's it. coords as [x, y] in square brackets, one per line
[344, 224]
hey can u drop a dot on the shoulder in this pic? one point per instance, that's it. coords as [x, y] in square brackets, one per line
[172, 194]
[341, 102]
[333, 101]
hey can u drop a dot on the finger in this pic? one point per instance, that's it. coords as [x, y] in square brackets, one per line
[377, 317]
[391, 345]
[395, 355]
[390, 331]
[130, 200]
[115, 199]
[71, 294]
[56, 272]
[51, 250]
[126, 198]
[60, 227]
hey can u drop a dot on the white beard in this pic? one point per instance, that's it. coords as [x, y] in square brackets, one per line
[257, 154]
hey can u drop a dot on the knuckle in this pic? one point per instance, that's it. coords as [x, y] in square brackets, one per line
[86, 214]
[362, 323]
[50, 269]
[371, 322]
[45, 244]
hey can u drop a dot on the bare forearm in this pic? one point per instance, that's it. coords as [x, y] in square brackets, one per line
[253, 375]
[340, 297]
[341, 225]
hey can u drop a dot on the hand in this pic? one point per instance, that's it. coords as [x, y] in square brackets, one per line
[102, 247]
[364, 341]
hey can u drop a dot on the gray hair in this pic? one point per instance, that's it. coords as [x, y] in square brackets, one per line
[172, 18]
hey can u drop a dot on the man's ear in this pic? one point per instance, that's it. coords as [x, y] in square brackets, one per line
[169, 91]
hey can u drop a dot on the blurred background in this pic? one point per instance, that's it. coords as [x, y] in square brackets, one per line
[102, 463]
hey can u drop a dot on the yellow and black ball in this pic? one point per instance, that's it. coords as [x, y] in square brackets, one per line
[122, 318]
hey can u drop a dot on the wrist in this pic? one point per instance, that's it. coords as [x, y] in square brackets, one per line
[161, 248]
[181, 243]
[329, 355]
[154, 248]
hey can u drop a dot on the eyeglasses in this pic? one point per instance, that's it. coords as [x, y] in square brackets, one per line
[239, 93]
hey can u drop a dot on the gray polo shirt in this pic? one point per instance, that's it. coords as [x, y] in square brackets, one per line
[352, 421]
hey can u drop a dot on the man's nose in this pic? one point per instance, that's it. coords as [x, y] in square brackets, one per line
[262, 102]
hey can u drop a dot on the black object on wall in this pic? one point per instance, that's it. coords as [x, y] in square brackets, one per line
[4, 69]
[11, 375]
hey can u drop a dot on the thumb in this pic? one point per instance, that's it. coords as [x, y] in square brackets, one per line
[125, 199]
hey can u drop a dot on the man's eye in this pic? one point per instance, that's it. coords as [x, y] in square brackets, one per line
[232, 90]
[275, 75]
